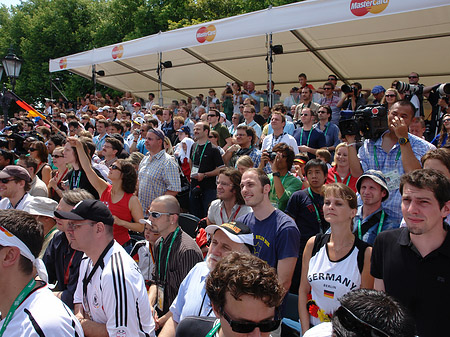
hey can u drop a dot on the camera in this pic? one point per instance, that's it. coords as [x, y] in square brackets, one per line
[272, 155]
[443, 89]
[346, 89]
[412, 88]
[370, 121]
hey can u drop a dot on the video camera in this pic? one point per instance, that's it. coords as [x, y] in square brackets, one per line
[370, 121]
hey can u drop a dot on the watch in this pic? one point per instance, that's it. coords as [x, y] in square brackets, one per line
[276, 174]
[403, 140]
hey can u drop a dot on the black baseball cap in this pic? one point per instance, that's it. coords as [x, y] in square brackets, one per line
[89, 209]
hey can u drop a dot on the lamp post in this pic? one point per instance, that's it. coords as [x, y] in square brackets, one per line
[12, 65]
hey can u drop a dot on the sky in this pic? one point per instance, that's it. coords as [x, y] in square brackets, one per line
[8, 3]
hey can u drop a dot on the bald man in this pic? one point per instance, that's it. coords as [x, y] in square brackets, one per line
[175, 255]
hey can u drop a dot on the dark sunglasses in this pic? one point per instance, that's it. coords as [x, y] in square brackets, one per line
[6, 180]
[211, 137]
[115, 167]
[326, 88]
[348, 320]
[389, 95]
[247, 327]
[211, 115]
[32, 149]
[57, 156]
[413, 76]
[157, 215]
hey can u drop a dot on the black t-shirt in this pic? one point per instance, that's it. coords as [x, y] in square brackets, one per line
[79, 179]
[195, 326]
[260, 120]
[210, 160]
[421, 284]
[300, 207]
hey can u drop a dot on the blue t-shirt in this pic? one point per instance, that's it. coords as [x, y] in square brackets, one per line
[313, 138]
[141, 147]
[275, 238]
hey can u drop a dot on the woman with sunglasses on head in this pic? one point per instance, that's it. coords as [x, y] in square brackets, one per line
[441, 139]
[55, 185]
[118, 196]
[333, 264]
[39, 151]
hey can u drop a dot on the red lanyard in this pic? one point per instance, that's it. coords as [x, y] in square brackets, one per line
[67, 272]
[232, 217]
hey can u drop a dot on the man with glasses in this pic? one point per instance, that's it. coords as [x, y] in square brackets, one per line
[249, 114]
[307, 103]
[331, 131]
[14, 186]
[245, 295]
[309, 139]
[111, 149]
[99, 140]
[175, 255]
[245, 145]
[111, 298]
[224, 134]
[331, 99]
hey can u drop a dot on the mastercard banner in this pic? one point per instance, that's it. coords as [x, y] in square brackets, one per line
[206, 34]
[362, 7]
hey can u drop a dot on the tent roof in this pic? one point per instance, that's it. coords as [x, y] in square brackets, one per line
[319, 37]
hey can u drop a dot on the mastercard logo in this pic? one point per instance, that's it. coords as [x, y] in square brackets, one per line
[362, 7]
[117, 52]
[63, 63]
[206, 33]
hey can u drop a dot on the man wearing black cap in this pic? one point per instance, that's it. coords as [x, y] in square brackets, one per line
[111, 297]
[192, 299]
[371, 219]
[14, 184]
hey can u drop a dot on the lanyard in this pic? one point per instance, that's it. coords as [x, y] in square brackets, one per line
[315, 208]
[75, 183]
[168, 254]
[67, 272]
[232, 217]
[201, 156]
[213, 330]
[309, 136]
[50, 232]
[201, 307]
[99, 262]
[326, 129]
[380, 225]
[17, 302]
[348, 180]
[397, 157]
[277, 139]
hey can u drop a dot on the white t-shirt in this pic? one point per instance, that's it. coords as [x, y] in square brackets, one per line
[269, 142]
[42, 314]
[116, 295]
[217, 214]
[5, 203]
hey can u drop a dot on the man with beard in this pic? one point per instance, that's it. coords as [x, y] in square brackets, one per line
[192, 299]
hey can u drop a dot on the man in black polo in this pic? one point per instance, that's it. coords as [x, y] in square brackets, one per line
[412, 263]
[205, 162]
[224, 134]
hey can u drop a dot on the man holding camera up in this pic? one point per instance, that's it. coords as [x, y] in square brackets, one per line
[394, 153]
[352, 98]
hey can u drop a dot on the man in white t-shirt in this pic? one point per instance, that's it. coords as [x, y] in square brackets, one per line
[278, 121]
[28, 307]
[111, 298]
[14, 183]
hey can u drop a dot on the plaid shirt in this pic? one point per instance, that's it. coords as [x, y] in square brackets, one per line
[157, 175]
[389, 162]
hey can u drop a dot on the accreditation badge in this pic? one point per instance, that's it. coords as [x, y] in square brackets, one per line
[160, 301]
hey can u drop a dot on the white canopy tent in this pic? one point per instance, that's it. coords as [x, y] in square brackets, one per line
[370, 41]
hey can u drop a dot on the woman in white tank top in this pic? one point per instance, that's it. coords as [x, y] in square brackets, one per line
[333, 264]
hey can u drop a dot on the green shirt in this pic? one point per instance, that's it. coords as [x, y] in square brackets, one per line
[290, 183]
[223, 133]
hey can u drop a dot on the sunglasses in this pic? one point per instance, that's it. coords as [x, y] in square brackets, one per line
[32, 149]
[304, 115]
[211, 137]
[211, 115]
[322, 112]
[348, 321]
[157, 215]
[247, 327]
[332, 79]
[446, 120]
[6, 180]
[413, 76]
[115, 167]
[57, 156]
[389, 95]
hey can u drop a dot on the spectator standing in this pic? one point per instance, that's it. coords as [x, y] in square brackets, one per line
[39, 151]
[309, 139]
[331, 99]
[340, 171]
[329, 129]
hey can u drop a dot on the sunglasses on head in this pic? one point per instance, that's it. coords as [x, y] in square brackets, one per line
[157, 215]
[6, 180]
[115, 167]
[247, 327]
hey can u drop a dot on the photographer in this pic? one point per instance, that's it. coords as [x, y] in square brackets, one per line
[394, 153]
[352, 98]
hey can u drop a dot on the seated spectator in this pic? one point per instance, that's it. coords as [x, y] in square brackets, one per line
[229, 204]
[325, 156]
[110, 151]
[340, 170]
[441, 139]
[339, 253]
[244, 163]
[61, 260]
[214, 139]
[245, 146]
[37, 186]
[417, 127]
[6, 158]
[39, 151]
[244, 293]
[14, 186]
[118, 196]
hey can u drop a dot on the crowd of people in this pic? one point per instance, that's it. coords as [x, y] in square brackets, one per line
[96, 198]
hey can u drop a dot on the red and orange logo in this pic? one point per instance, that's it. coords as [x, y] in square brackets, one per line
[63, 63]
[206, 33]
[117, 52]
[362, 7]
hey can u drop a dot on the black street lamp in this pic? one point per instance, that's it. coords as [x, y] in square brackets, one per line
[12, 65]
